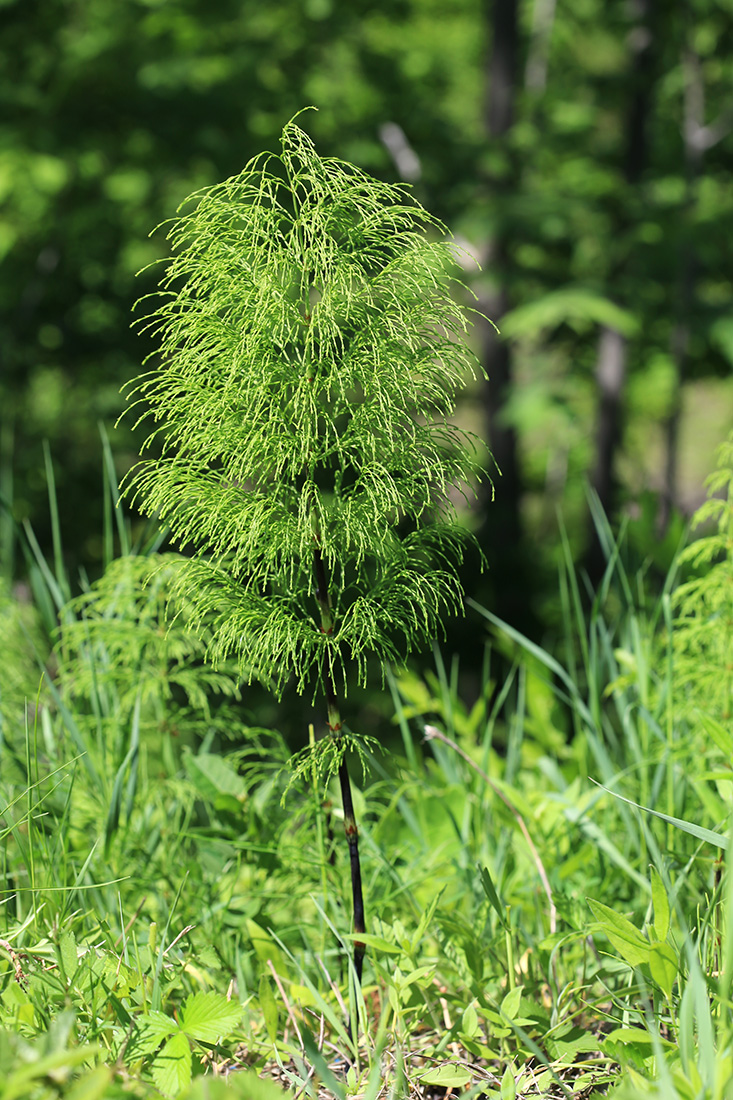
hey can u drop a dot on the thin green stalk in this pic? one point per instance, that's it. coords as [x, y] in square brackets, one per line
[318, 808]
[7, 525]
[511, 976]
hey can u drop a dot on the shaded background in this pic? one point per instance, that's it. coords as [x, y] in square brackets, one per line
[581, 151]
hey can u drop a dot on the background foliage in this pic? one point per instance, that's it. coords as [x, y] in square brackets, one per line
[581, 151]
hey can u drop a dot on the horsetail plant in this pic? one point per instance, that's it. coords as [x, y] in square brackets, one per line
[309, 356]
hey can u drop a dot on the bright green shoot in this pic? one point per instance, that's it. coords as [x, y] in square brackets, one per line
[310, 353]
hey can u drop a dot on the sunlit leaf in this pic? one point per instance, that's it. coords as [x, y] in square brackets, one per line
[664, 966]
[446, 1076]
[510, 1004]
[632, 946]
[209, 1016]
[661, 905]
[172, 1067]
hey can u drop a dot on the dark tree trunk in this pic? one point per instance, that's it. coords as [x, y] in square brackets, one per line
[612, 360]
[501, 532]
[697, 138]
[610, 379]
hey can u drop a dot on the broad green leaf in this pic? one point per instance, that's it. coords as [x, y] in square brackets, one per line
[508, 1089]
[14, 998]
[209, 1017]
[469, 1022]
[377, 943]
[446, 1076]
[172, 1067]
[628, 1035]
[661, 905]
[569, 1043]
[632, 946]
[489, 1015]
[510, 1004]
[265, 947]
[302, 995]
[663, 966]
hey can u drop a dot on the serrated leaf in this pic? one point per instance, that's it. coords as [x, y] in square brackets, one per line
[150, 1030]
[661, 905]
[625, 936]
[207, 956]
[446, 1076]
[510, 1004]
[209, 1017]
[663, 966]
[172, 1067]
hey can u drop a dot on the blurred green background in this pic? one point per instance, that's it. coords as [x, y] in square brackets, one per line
[581, 151]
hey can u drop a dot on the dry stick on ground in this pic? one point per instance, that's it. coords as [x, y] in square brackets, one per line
[431, 733]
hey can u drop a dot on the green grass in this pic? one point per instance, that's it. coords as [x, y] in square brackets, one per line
[173, 905]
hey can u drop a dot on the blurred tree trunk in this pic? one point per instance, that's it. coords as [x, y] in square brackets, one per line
[535, 73]
[612, 359]
[693, 135]
[501, 532]
[697, 138]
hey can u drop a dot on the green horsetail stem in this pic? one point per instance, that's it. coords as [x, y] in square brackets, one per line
[309, 350]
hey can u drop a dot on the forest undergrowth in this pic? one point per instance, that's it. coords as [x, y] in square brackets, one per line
[547, 868]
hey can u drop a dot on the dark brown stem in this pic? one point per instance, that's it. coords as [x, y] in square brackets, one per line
[335, 729]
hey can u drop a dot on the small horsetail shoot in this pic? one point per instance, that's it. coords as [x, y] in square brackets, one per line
[309, 353]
